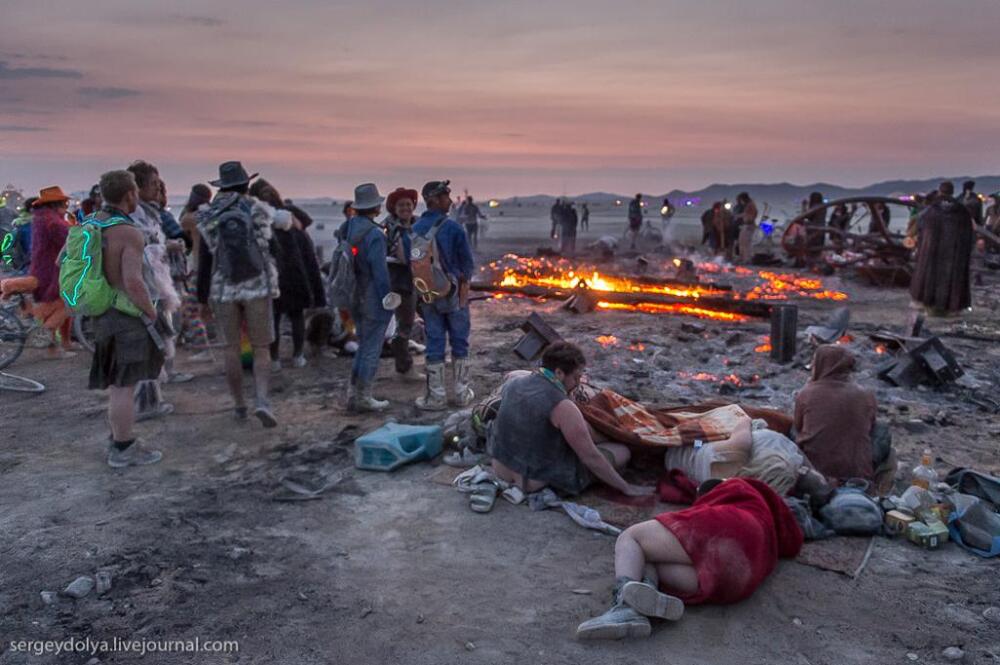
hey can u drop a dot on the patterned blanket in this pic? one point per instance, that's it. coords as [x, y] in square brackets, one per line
[625, 421]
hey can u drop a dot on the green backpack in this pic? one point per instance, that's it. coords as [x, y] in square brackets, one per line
[82, 283]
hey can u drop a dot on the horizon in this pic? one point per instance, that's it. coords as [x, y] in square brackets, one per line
[639, 96]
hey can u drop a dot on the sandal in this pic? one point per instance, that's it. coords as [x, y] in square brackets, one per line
[483, 498]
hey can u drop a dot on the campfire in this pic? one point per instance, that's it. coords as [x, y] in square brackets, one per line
[697, 295]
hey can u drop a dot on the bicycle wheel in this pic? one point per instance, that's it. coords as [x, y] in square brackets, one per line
[12, 337]
[19, 384]
[83, 331]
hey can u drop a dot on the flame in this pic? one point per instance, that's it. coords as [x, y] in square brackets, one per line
[880, 349]
[520, 272]
[846, 339]
[637, 347]
[606, 340]
[561, 275]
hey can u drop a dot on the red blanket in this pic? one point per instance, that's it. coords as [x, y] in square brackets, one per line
[734, 535]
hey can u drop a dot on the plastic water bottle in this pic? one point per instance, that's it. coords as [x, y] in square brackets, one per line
[924, 475]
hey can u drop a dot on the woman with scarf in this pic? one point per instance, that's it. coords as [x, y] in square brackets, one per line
[398, 228]
[299, 279]
[49, 228]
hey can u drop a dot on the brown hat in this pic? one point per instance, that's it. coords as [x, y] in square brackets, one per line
[53, 194]
[397, 195]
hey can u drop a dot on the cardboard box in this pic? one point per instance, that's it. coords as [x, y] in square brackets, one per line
[897, 522]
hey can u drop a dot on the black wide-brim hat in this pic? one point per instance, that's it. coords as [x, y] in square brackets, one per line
[232, 174]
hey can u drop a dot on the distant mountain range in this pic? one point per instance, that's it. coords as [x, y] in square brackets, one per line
[776, 193]
[783, 193]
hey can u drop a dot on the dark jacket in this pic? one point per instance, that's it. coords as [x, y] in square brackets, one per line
[944, 249]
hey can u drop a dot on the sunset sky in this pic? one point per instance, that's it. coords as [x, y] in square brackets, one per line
[510, 97]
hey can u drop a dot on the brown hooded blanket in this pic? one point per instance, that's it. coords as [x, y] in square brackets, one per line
[834, 417]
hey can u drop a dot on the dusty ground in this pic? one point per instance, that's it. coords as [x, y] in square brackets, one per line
[395, 568]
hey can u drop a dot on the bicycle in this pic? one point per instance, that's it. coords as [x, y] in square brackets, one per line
[15, 334]
[19, 329]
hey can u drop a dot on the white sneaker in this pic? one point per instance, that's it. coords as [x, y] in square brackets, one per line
[202, 357]
[298, 362]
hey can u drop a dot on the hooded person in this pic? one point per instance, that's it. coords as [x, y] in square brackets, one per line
[835, 418]
[945, 241]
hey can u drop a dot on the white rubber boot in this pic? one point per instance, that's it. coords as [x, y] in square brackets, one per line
[460, 377]
[436, 398]
[366, 402]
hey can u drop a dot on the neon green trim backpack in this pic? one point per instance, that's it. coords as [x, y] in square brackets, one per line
[82, 283]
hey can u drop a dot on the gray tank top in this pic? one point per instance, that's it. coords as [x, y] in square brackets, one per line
[524, 439]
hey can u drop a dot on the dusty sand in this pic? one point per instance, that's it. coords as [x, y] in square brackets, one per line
[395, 568]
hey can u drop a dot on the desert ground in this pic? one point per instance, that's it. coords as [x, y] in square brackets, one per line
[395, 568]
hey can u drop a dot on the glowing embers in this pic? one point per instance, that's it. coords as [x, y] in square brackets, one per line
[661, 308]
[779, 286]
[731, 379]
[606, 341]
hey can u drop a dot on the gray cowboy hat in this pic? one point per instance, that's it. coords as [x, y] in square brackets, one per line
[366, 197]
[232, 174]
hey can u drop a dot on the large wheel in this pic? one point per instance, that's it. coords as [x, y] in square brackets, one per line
[19, 384]
[12, 336]
[83, 331]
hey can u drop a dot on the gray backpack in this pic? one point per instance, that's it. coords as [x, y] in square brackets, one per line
[851, 512]
[342, 289]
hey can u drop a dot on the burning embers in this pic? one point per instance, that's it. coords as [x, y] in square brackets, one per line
[587, 288]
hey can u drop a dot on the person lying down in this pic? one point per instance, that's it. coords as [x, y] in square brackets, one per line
[718, 551]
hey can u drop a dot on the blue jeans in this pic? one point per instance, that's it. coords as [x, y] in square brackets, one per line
[370, 322]
[453, 325]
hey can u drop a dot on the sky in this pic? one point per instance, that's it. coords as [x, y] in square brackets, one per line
[503, 98]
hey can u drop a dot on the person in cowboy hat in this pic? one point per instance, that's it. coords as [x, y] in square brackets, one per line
[49, 228]
[237, 274]
[374, 299]
[400, 205]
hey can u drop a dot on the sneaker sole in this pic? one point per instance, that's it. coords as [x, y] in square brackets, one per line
[123, 465]
[615, 631]
[647, 601]
[265, 418]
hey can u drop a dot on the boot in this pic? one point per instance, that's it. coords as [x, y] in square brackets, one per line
[619, 622]
[460, 378]
[436, 398]
[352, 396]
[364, 401]
[647, 600]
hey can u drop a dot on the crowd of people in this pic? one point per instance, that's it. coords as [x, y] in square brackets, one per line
[239, 263]
[242, 259]
[728, 229]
